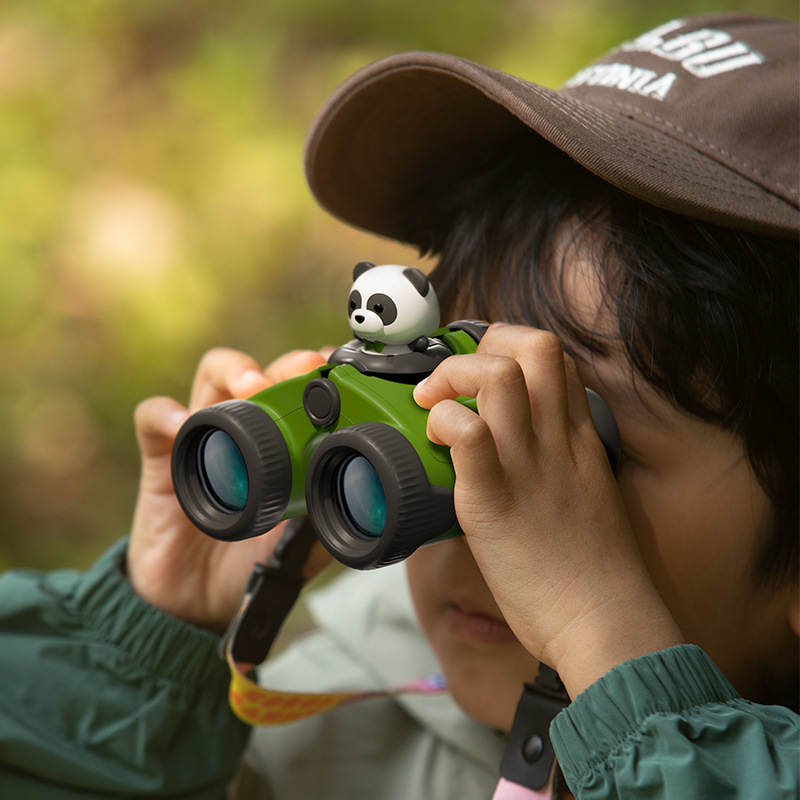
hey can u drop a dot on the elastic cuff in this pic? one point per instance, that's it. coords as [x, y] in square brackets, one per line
[611, 709]
[160, 644]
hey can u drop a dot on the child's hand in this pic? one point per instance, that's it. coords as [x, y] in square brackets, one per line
[170, 563]
[538, 503]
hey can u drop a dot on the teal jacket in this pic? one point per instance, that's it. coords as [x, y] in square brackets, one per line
[105, 697]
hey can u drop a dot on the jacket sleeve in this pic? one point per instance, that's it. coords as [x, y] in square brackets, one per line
[670, 726]
[104, 696]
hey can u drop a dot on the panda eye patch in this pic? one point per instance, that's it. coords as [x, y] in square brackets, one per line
[354, 301]
[384, 307]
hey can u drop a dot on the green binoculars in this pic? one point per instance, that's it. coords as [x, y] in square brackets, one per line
[342, 444]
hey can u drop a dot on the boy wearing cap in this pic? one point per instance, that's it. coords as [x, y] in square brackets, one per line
[646, 216]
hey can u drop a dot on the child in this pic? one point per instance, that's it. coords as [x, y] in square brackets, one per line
[636, 234]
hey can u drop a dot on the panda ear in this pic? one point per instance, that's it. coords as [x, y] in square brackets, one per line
[360, 268]
[418, 280]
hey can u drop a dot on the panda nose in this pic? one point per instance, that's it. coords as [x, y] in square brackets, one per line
[359, 318]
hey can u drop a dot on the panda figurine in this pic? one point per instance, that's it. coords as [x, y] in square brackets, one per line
[393, 312]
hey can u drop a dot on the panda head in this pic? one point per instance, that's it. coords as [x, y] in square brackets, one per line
[391, 304]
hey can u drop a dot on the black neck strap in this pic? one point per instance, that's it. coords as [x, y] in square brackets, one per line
[272, 590]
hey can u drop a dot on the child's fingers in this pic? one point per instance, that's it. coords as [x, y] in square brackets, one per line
[519, 378]
[542, 361]
[157, 421]
[552, 376]
[296, 362]
[499, 386]
[472, 446]
[577, 401]
[224, 374]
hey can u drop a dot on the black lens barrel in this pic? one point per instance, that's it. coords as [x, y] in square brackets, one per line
[266, 459]
[416, 510]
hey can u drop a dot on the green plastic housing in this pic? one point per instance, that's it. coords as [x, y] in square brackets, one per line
[363, 398]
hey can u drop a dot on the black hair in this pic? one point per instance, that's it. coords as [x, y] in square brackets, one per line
[707, 315]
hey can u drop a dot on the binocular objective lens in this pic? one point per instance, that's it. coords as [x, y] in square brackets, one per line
[360, 496]
[222, 471]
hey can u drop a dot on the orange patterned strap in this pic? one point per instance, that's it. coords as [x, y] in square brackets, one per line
[257, 705]
[271, 592]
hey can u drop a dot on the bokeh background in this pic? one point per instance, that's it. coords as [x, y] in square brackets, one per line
[153, 205]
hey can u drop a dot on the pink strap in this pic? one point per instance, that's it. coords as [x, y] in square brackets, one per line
[506, 790]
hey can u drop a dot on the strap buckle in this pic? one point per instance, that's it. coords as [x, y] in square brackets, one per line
[529, 756]
[270, 594]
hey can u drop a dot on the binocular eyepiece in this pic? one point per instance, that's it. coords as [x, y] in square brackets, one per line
[344, 444]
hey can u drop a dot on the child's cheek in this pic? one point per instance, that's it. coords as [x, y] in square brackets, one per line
[485, 674]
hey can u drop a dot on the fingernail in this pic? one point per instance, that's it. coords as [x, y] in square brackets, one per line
[419, 386]
[251, 381]
[175, 419]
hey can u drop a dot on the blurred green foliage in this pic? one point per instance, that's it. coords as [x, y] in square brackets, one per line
[153, 205]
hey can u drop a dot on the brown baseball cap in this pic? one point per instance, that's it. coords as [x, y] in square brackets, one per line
[699, 116]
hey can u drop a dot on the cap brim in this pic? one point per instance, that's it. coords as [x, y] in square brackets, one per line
[414, 122]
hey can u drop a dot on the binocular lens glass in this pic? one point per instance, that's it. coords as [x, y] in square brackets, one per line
[222, 471]
[360, 496]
